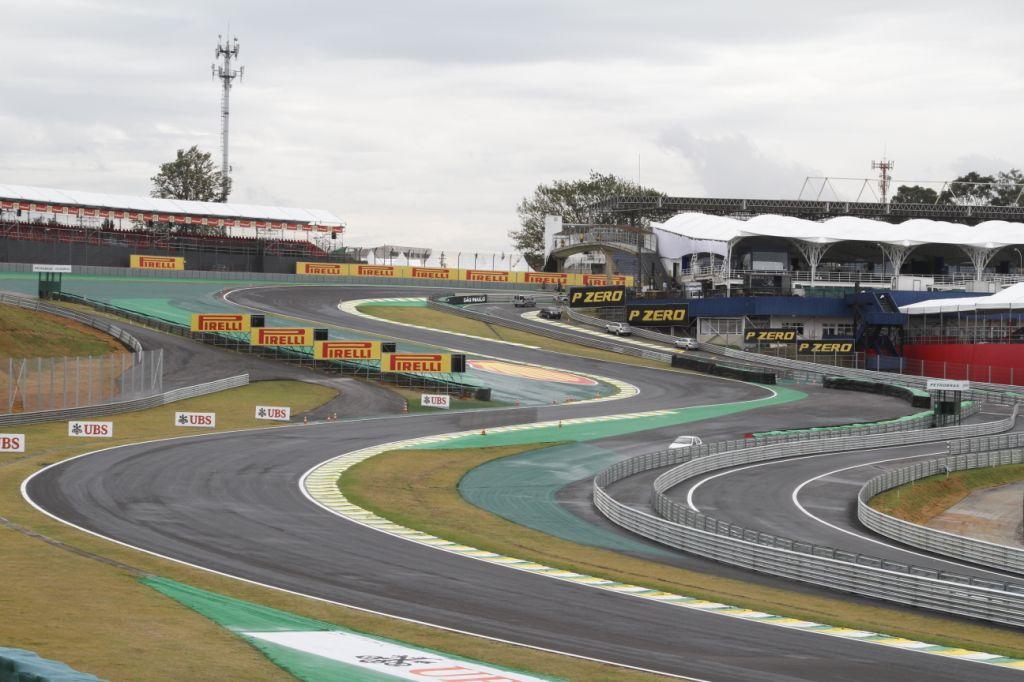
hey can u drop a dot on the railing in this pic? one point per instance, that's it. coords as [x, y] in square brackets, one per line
[607, 236]
[845, 276]
[683, 528]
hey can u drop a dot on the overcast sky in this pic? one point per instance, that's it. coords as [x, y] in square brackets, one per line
[424, 122]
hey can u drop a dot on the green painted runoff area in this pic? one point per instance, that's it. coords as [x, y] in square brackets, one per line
[243, 617]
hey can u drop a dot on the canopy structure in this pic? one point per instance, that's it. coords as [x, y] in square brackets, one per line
[980, 242]
[1009, 299]
[17, 198]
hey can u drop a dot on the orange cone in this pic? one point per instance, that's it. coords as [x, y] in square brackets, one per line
[305, 420]
[405, 406]
[483, 432]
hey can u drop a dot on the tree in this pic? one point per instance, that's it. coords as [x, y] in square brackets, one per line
[192, 177]
[915, 194]
[570, 199]
[1008, 188]
[970, 189]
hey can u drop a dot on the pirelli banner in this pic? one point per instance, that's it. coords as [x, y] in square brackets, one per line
[770, 336]
[829, 347]
[323, 269]
[225, 322]
[549, 279]
[656, 314]
[281, 336]
[597, 297]
[157, 262]
[348, 350]
[603, 280]
[426, 363]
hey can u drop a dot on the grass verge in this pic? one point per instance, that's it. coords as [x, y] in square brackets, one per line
[921, 501]
[95, 616]
[418, 489]
[447, 322]
[31, 334]
[412, 399]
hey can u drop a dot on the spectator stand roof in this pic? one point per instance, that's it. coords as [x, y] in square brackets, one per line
[47, 200]
[1009, 299]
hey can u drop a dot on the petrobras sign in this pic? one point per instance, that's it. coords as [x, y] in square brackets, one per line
[655, 314]
[12, 442]
[220, 322]
[439, 401]
[770, 336]
[597, 297]
[38, 267]
[91, 429]
[272, 413]
[948, 385]
[281, 336]
[201, 420]
[346, 350]
[830, 347]
[157, 262]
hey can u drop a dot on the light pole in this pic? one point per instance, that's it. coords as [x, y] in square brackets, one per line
[1021, 269]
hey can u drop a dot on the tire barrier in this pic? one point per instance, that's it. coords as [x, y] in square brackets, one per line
[678, 526]
[915, 396]
[706, 367]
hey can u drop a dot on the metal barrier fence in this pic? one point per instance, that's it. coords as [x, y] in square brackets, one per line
[680, 527]
[961, 547]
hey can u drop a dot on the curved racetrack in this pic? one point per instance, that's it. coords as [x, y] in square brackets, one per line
[231, 503]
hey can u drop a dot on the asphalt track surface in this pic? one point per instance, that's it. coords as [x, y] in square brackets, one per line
[231, 503]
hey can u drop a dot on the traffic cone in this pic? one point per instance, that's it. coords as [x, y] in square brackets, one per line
[483, 432]
[405, 406]
[305, 420]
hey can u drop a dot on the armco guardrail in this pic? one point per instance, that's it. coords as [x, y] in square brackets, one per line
[680, 527]
[90, 411]
[1002, 557]
[88, 320]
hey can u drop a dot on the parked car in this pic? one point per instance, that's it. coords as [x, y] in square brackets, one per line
[686, 343]
[523, 301]
[551, 313]
[618, 328]
[685, 442]
[561, 298]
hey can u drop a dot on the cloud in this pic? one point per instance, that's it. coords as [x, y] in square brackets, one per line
[733, 166]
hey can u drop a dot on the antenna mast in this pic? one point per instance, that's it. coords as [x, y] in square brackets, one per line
[883, 166]
[227, 49]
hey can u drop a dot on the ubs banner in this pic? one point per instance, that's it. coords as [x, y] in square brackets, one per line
[655, 314]
[830, 347]
[770, 336]
[596, 297]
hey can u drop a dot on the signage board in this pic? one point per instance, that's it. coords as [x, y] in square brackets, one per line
[656, 314]
[273, 413]
[157, 262]
[442, 402]
[336, 269]
[221, 322]
[201, 420]
[430, 363]
[602, 280]
[545, 278]
[489, 276]
[948, 385]
[346, 350]
[467, 299]
[597, 297]
[12, 442]
[42, 267]
[772, 335]
[829, 347]
[91, 429]
[360, 270]
[432, 273]
[281, 336]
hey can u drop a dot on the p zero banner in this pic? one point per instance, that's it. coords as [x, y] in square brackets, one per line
[430, 363]
[221, 322]
[770, 336]
[489, 276]
[273, 413]
[336, 269]
[832, 347]
[656, 314]
[281, 336]
[157, 262]
[12, 442]
[346, 350]
[201, 420]
[91, 429]
[597, 297]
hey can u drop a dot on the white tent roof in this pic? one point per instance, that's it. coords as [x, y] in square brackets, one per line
[1011, 298]
[43, 195]
[991, 234]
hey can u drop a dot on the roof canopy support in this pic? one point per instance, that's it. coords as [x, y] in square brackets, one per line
[980, 257]
[812, 253]
[897, 255]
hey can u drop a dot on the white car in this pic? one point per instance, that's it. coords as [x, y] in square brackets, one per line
[685, 442]
[618, 328]
[686, 343]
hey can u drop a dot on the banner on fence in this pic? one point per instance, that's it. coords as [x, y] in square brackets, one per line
[467, 299]
[157, 262]
[335, 269]
[281, 336]
[442, 402]
[604, 280]
[597, 296]
[489, 276]
[459, 274]
[273, 413]
[832, 347]
[770, 336]
[91, 429]
[429, 363]
[12, 442]
[221, 322]
[202, 420]
[40, 267]
[948, 385]
[347, 350]
[656, 314]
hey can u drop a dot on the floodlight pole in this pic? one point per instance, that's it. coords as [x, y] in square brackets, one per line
[227, 49]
